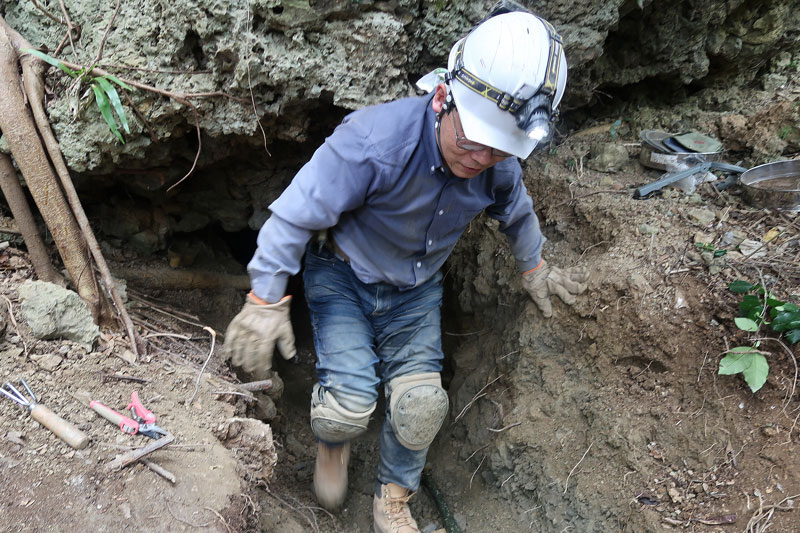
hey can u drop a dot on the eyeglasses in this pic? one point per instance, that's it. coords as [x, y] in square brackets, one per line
[465, 144]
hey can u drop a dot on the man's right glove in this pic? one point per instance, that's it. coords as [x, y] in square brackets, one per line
[544, 281]
[252, 334]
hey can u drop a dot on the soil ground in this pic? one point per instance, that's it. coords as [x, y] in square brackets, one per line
[609, 417]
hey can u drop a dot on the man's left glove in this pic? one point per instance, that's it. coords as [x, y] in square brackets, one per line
[545, 281]
[252, 334]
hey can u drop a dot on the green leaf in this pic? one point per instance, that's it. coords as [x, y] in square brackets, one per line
[119, 82]
[105, 110]
[53, 61]
[755, 314]
[793, 336]
[789, 307]
[746, 324]
[785, 321]
[772, 302]
[113, 97]
[756, 374]
[733, 363]
[740, 286]
[749, 301]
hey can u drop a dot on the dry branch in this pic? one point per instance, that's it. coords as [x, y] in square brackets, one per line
[134, 455]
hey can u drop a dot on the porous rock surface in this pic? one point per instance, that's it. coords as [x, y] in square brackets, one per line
[286, 63]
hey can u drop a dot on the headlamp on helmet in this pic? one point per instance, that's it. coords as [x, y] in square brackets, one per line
[533, 114]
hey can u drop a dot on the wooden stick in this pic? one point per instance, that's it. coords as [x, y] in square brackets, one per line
[255, 386]
[134, 455]
[124, 378]
[158, 469]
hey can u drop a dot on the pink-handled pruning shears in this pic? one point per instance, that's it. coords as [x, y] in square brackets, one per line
[141, 422]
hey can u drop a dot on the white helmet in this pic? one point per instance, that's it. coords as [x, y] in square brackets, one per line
[507, 78]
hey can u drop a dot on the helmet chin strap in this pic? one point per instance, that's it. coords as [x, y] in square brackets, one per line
[447, 107]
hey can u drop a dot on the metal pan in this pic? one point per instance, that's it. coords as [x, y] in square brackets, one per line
[652, 158]
[773, 185]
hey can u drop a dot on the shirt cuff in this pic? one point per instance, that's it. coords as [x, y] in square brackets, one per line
[270, 288]
[525, 266]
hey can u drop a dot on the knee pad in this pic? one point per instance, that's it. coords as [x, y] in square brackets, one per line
[417, 408]
[331, 422]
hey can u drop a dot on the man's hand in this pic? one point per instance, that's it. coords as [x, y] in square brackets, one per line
[252, 334]
[545, 281]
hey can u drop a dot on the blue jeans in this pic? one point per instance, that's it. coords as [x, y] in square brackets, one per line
[366, 334]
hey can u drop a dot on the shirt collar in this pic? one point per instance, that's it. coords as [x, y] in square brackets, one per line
[429, 137]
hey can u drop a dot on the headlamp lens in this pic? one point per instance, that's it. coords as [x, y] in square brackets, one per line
[534, 117]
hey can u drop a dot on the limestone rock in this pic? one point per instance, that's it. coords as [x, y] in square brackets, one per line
[54, 312]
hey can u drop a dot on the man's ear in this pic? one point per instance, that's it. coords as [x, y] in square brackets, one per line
[439, 97]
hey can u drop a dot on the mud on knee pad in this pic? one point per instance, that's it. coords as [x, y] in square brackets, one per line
[331, 422]
[417, 408]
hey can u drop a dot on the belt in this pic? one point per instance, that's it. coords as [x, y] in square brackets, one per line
[336, 250]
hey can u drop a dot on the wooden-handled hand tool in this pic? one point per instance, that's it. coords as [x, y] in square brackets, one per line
[126, 424]
[44, 416]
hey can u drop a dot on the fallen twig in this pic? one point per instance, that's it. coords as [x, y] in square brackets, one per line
[245, 395]
[210, 351]
[131, 457]
[158, 469]
[255, 386]
[476, 470]
[478, 395]
[14, 323]
[224, 523]
[515, 424]
[764, 514]
[124, 378]
[566, 483]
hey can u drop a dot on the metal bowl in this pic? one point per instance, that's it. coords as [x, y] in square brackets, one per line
[773, 185]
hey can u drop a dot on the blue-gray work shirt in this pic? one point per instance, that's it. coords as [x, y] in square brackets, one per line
[378, 182]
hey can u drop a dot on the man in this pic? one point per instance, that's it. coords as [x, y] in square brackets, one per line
[395, 185]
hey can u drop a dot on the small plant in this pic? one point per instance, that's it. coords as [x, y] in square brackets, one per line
[105, 93]
[706, 247]
[758, 308]
[786, 131]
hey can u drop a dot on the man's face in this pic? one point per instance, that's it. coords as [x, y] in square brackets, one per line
[462, 162]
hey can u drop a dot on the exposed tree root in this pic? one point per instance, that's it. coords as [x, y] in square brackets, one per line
[69, 225]
[18, 203]
[20, 132]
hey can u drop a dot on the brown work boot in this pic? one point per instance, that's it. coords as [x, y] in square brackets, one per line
[391, 511]
[330, 474]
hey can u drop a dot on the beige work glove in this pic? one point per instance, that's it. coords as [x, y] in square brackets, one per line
[545, 281]
[252, 334]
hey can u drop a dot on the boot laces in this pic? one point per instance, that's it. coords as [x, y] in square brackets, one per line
[399, 512]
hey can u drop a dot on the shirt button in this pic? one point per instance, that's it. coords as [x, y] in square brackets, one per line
[441, 212]
[419, 264]
[430, 242]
